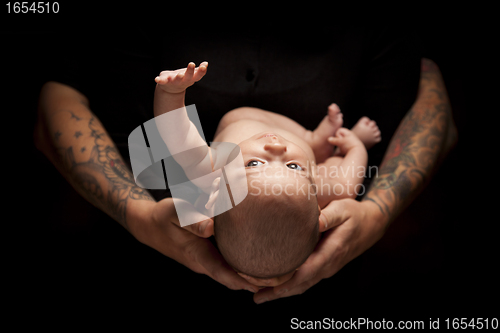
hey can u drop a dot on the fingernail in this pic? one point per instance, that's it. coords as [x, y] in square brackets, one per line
[323, 219]
[202, 227]
[282, 291]
[250, 290]
[262, 300]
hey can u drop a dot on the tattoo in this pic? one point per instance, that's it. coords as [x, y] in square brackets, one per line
[103, 178]
[414, 148]
[73, 116]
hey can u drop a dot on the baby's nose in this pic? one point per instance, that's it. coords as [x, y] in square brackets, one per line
[275, 147]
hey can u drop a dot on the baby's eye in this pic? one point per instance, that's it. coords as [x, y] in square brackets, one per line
[254, 163]
[294, 166]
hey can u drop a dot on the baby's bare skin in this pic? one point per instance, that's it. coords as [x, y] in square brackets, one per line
[262, 132]
[345, 166]
[308, 140]
[313, 149]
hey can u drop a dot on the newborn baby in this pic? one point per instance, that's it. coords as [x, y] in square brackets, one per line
[291, 174]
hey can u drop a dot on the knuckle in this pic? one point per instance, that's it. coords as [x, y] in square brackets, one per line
[232, 286]
[194, 229]
[190, 253]
[215, 274]
[301, 290]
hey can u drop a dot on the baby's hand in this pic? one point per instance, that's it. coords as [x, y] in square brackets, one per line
[177, 81]
[345, 140]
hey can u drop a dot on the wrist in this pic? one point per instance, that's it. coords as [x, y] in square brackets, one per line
[166, 93]
[373, 212]
[139, 215]
[165, 101]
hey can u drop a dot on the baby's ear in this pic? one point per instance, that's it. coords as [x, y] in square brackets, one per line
[214, 193]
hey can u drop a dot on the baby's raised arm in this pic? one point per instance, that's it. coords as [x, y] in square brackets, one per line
[176, 129]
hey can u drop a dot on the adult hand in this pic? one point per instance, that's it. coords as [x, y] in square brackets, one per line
[157, 226]
[351, 228]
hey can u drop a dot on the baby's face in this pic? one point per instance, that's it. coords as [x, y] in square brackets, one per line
[271, 153]
[278, 167]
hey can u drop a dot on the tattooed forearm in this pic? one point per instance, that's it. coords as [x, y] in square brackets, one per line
[94, 166]
[416, 147]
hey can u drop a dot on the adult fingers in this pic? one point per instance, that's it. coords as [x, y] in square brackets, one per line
[204, 228]
[269, 294]
[216, 267]
[271, 282]
[291, 288]
[334, 214]
[307, 275]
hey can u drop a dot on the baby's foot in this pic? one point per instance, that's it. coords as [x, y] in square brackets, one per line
[367, 131]
[179, 80]
[327, 128]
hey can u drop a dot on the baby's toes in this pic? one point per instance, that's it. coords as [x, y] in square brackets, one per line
[364, 121]
[333, 109]
[375, 128]
[376, 134]
[335, 116]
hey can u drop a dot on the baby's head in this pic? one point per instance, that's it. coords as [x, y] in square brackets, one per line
[269, 235]
[275, 228]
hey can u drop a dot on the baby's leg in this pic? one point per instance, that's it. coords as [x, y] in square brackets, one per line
[340, 177]
[367, 131]
[327, 128]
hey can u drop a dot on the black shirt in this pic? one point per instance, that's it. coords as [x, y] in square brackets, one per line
[295, 71]
[368, 71]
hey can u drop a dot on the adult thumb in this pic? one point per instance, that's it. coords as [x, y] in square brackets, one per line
[204, 228]
[333, 215]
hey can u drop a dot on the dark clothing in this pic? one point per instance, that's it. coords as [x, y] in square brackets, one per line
[368, 71]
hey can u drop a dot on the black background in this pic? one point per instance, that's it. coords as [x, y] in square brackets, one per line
[437, 260]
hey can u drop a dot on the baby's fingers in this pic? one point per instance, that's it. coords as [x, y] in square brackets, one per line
[335, 141]
[166, 77]
[200, 71]
[189, 71]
